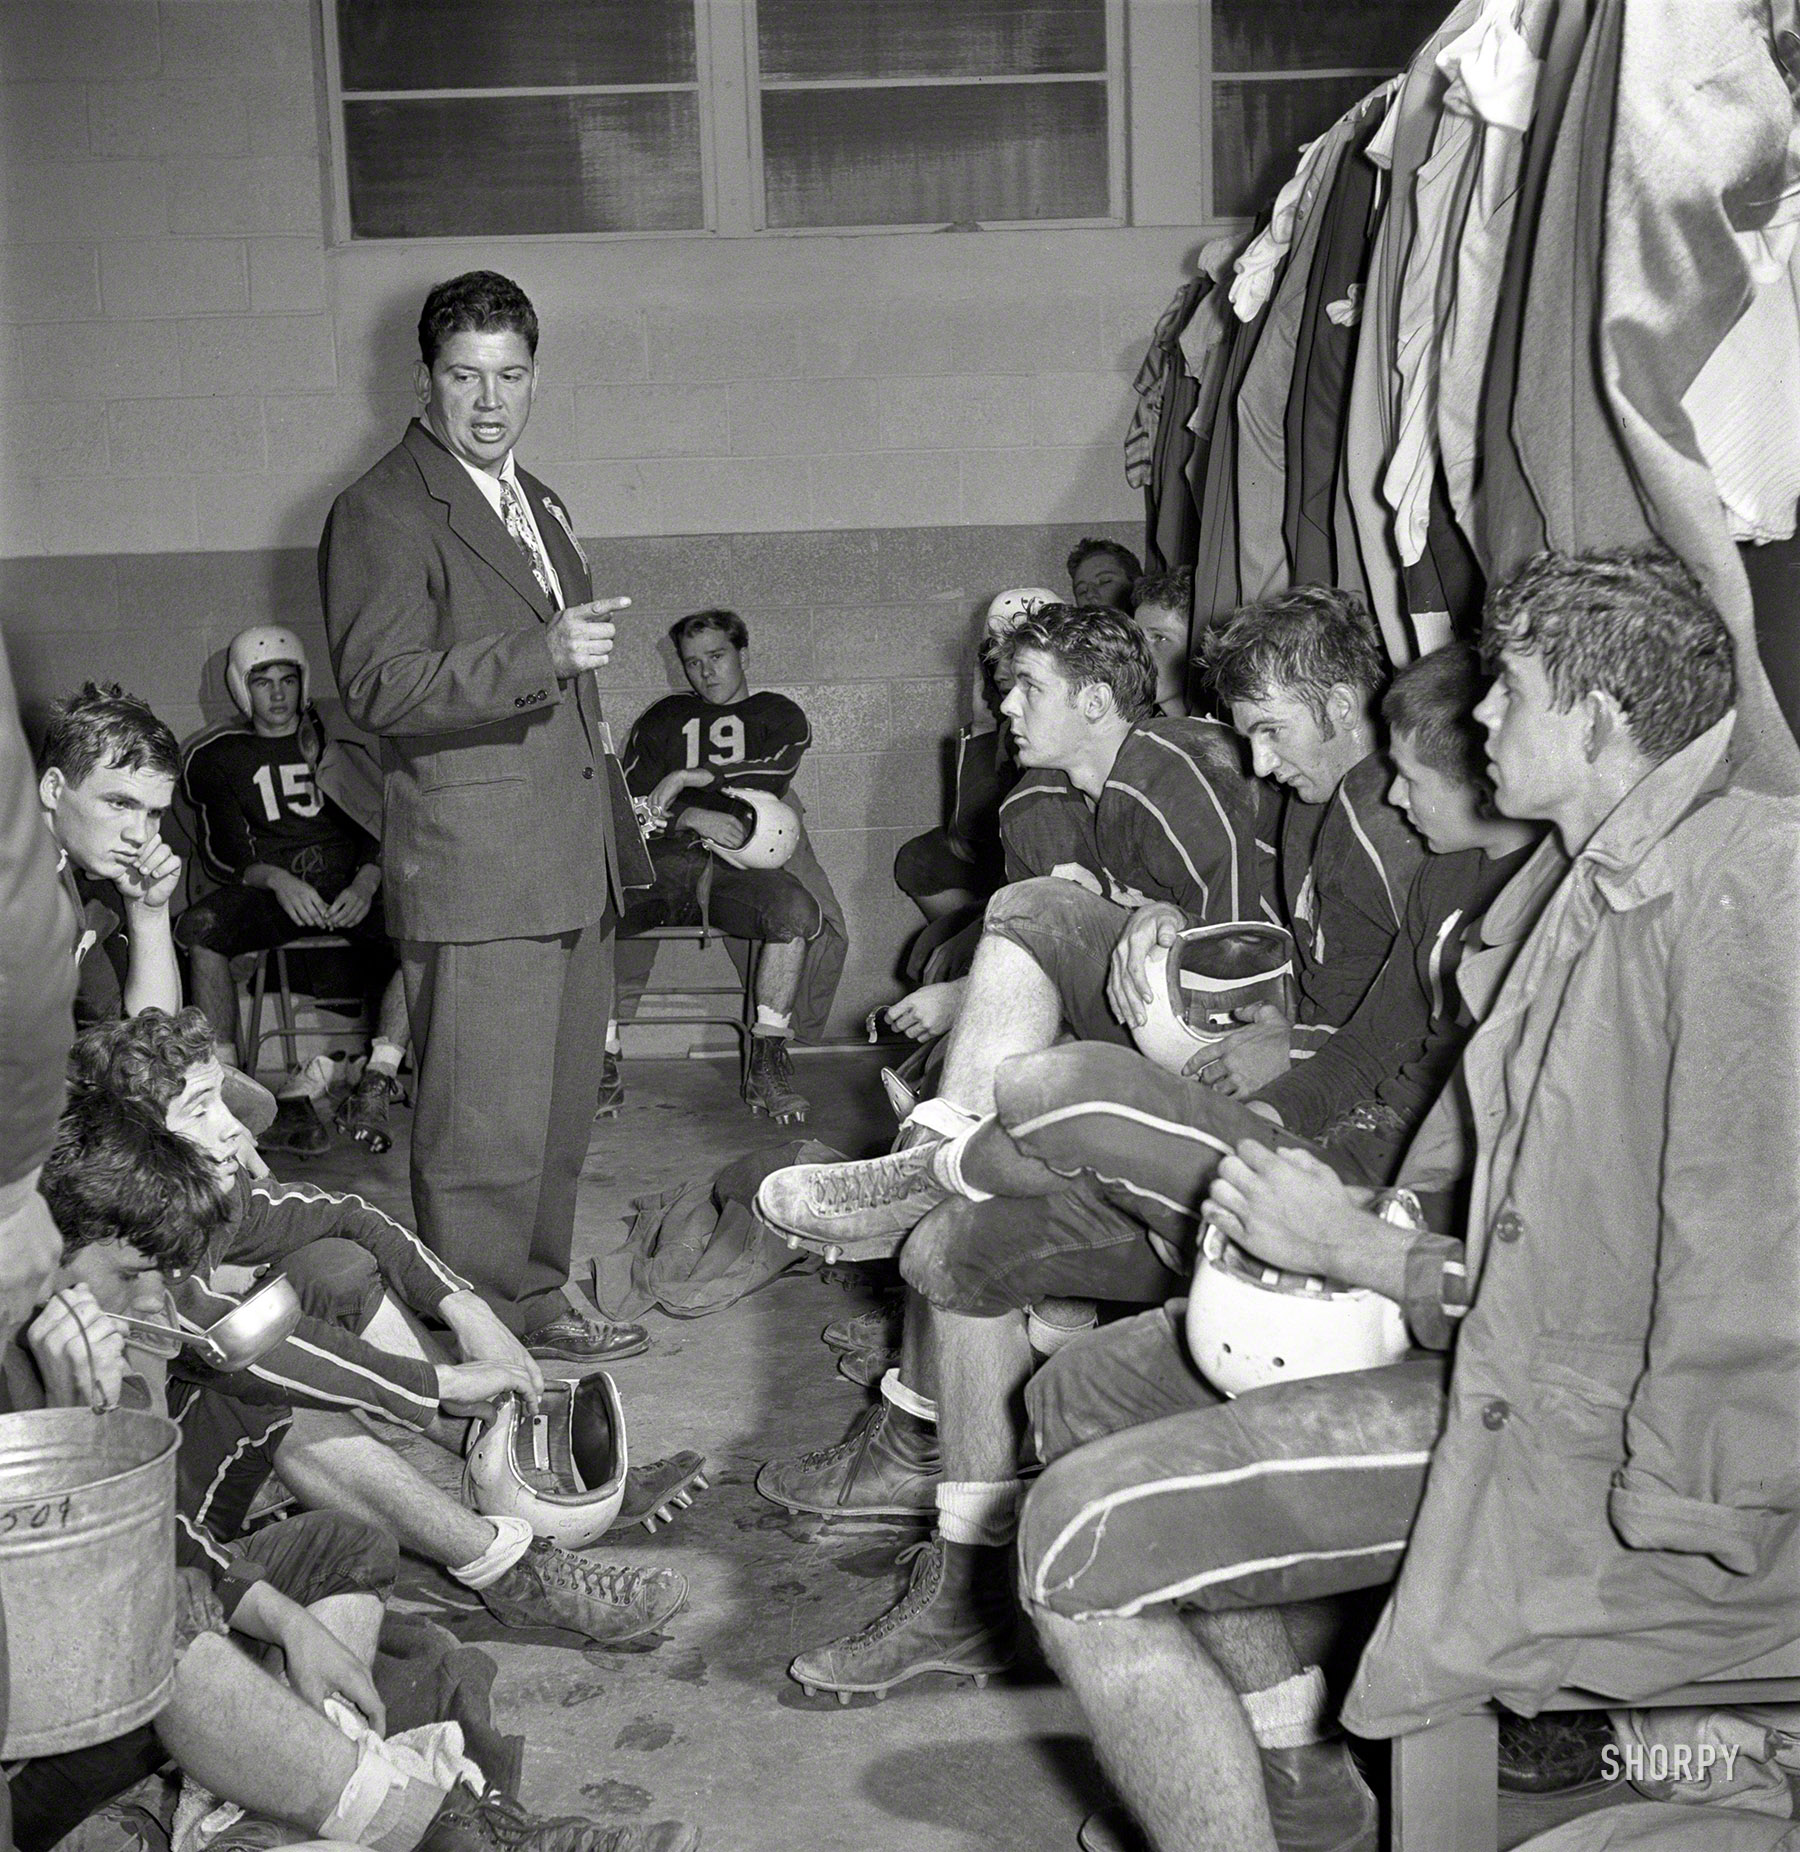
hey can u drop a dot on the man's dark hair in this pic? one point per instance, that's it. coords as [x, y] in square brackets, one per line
[145, 1058]
[1633, 623]
[1090, 644]
[1167, 591]
[737, 632]
[1086, 548]
[1432, 701]
[1301, 644]
[102, 728]
[117, 1173]
[477, 302]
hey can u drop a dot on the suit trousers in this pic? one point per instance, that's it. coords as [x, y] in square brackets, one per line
[508, 1038]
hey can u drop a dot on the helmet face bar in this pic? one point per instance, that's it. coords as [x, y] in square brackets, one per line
[1197, 984]
[562, 1470]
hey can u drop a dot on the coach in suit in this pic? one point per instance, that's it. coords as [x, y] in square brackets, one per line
[464, 633]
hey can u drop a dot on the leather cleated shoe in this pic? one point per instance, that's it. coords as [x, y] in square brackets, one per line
[296, 1128]
[769, 1083]
[577, 1337]
[656, 1491]
[552, 1587]
[1318, 1800]
[887, 1466]
[363, 1115]
[612, 1089]
[955, 1617]
[862, 1210]
[495, 1822]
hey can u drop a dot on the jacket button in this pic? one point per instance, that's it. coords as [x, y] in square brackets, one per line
[587, 771]
[1509, 1225]
[1496, 1415]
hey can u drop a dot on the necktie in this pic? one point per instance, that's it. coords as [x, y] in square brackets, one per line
[518, 524]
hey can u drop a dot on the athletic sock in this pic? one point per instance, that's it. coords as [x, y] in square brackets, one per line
[907, 1400]
[1291, 1714]
[979, 1511]
[1052, 1323]
[773, 1022]
[512, 1538]
[311, 1082]
[385, 1058]
[382, 1806]
[947, 1167]
[614, 1044]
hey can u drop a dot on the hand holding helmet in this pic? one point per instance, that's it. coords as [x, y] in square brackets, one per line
[1295, 1277]
[771, 829]
[1189, 993]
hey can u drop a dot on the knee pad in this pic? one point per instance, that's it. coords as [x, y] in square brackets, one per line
[338, 1282]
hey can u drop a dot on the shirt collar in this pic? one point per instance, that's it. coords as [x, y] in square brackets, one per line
[1623, 850]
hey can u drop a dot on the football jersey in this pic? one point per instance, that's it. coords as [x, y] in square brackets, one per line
[1176, 822]
[257, 800]
[1346, 869]
[756, 741]
[1046, 824]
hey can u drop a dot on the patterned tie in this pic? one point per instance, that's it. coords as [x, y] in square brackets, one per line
[518, 524]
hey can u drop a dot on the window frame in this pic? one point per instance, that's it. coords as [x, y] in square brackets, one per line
[728, 90]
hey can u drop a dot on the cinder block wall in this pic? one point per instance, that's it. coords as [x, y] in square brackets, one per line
[852, 440]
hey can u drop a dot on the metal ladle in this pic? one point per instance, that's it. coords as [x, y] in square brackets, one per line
[237, 1340]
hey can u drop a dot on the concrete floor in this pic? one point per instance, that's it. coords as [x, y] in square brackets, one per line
[707, 1726]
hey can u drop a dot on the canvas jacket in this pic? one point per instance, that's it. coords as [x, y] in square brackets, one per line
[1615, 1501]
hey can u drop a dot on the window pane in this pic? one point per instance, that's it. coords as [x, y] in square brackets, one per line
[935, 156]
[929, 38]
[1258, 129]
[504, 44]
[1301, 35]
[464, 167]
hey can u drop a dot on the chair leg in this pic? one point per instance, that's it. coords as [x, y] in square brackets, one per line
[250, 1041]
[290, 1040]
[1445, 1786]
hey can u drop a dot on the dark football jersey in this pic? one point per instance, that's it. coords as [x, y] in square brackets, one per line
[756, 741]
[257, 800]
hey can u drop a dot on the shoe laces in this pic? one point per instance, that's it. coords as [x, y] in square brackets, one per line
[618, 1584]
[927, 1561]
[842, 1189]
[856, 1441]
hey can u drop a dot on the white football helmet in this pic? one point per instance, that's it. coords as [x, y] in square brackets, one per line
[1249, 1325]
[562, 1470]
[1007, 610]
[774, 827]
[251, 649]
[1208, 972]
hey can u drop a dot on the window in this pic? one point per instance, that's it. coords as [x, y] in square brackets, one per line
[480, 118]
[1284, 70]
[490, 118]
[914, 112]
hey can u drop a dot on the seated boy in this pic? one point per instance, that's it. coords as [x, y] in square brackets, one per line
[132, 1199]
[289, 860]
[361, 1273]
[1102, 572]
[715, 739]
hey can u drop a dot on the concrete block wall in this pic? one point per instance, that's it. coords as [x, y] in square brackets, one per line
[850, 439]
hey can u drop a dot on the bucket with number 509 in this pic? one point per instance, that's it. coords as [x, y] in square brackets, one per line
[87, 1574]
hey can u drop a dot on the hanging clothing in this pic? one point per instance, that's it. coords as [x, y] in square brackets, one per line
[1324, 348]
[1702, 148]
[1263, 567]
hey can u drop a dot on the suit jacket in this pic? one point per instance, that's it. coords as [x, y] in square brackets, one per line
[497, 820]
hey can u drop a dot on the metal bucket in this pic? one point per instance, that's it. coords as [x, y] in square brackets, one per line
[87, 1574]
